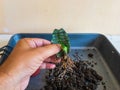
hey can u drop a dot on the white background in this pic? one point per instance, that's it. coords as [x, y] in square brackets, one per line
[99, 16]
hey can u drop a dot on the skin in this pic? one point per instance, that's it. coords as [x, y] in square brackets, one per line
[29, 55]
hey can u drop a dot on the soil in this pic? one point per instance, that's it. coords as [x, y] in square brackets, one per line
[73, 75]
[90, 55]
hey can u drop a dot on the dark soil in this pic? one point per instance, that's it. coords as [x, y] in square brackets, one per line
[90, 55]
[72, 75]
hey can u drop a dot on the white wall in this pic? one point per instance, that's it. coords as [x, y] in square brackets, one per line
[101, 16]
[1, 16]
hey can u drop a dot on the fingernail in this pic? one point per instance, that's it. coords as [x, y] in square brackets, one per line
[58, 45]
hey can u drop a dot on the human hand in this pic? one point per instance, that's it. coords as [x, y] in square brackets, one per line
[28, 55]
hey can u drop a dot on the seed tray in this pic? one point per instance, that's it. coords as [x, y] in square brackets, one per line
[93, 48]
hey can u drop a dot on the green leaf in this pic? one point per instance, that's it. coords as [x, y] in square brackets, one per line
[59, 36]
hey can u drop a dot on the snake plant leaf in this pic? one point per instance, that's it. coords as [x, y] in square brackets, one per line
[59, 36]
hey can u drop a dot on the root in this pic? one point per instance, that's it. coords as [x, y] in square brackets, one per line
[67, 65]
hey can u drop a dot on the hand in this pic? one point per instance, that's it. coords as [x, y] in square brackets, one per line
[28, 55]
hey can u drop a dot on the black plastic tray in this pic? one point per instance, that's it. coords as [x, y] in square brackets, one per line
[106, 56]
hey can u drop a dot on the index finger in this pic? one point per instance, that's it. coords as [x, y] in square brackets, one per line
[47, 51]
[36, 42]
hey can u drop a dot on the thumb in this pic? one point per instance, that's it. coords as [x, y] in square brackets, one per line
[47, 51]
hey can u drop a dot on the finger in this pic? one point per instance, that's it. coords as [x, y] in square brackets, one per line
[53, 59]
[35, 42]
[47, 51]
[44, 66]
[47, 66]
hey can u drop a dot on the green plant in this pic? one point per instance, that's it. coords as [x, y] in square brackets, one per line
[59, 36]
